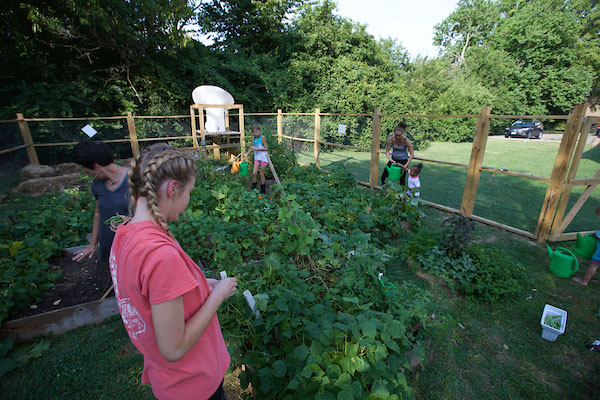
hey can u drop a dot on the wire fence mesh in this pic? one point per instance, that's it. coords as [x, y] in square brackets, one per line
[68, 131]
[161, 129]
[10, 135]
[496, 197]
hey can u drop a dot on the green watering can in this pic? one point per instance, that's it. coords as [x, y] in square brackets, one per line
[585, 246]
[563, 262]
[244, 169]
[394, 172]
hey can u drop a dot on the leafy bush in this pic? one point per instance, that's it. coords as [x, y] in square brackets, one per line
[458, 234]
[32, 231]
[497, 274]
[24, 272]
[482, 272]
[311, 256]
[311, 341]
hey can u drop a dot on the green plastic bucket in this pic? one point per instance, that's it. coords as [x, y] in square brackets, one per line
[244, 169]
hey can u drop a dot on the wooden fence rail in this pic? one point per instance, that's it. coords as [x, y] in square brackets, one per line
[552, 220]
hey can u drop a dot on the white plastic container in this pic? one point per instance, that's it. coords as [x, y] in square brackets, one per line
[548, 332]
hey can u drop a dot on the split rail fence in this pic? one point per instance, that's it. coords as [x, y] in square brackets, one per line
[553, 218]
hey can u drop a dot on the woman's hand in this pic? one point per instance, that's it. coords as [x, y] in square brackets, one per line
[211, 283]
[224, 288]
[88, 252]
[118, 220]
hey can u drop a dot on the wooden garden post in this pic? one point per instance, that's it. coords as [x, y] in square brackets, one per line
[24, 127]
[559, 172]
[242, 138]
[564, 198]
[317, 137]
[135, 148]
[194, 133]
[202, 131]
[279, 125]
[228, 138]
[477, 153]
[375, 144]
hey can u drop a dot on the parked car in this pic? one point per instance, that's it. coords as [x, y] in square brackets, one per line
[598, 130]
[525, 129]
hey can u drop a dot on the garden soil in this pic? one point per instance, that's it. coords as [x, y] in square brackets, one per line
[80, 282]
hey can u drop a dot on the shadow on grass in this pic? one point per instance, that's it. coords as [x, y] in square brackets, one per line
[593, 153]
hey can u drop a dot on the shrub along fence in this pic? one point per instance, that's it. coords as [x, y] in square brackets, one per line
[318, 132]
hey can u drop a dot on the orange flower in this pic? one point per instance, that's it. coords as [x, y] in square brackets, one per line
[259, 196]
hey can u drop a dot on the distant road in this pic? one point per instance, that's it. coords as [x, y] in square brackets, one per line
[549, 136]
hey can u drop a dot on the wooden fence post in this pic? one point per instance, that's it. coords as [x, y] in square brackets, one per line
[564, 198]
[135, 148]
[202, 131]
[477, 153]
[227, 138]
[564, 222]
[375, 144]
[24, 127]
[559, 172]
[242, 134]
[194, 129]
[317, 137]
[279, 125]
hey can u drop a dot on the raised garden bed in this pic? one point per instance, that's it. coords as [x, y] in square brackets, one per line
[80, 282]
[73, 301]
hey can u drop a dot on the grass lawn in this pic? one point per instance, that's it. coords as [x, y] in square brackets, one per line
[506, 199]
[491, 351]
[495, 351]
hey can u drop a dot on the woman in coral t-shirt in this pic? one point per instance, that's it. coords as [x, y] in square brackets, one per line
[167, 305]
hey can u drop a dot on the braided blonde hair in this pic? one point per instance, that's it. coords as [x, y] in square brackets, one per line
[156, 164]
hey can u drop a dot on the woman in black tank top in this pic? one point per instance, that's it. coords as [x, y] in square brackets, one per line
[402, 152]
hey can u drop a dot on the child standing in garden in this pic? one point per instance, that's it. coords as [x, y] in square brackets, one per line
[414, 183]
[167, 305]
[259, 145]
[594, 262]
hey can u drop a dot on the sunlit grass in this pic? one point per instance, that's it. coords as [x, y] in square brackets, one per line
[510, 200]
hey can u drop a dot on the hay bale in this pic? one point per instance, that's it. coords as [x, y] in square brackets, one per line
[67, 168]
[50, 184]
[34, 171]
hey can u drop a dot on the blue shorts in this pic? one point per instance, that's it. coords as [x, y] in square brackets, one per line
[596, 256]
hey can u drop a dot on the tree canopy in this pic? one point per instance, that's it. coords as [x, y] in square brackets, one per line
[90, 57]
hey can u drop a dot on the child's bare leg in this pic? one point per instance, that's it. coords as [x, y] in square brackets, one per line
[591, 271]
[254, 171]
[262, 175]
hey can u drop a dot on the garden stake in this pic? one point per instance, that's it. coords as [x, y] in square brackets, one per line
[273, 170]
[107, 292]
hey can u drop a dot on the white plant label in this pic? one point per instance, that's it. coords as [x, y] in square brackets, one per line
[88, 130]
[223, 274]
[251, 302]
[342, 128]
